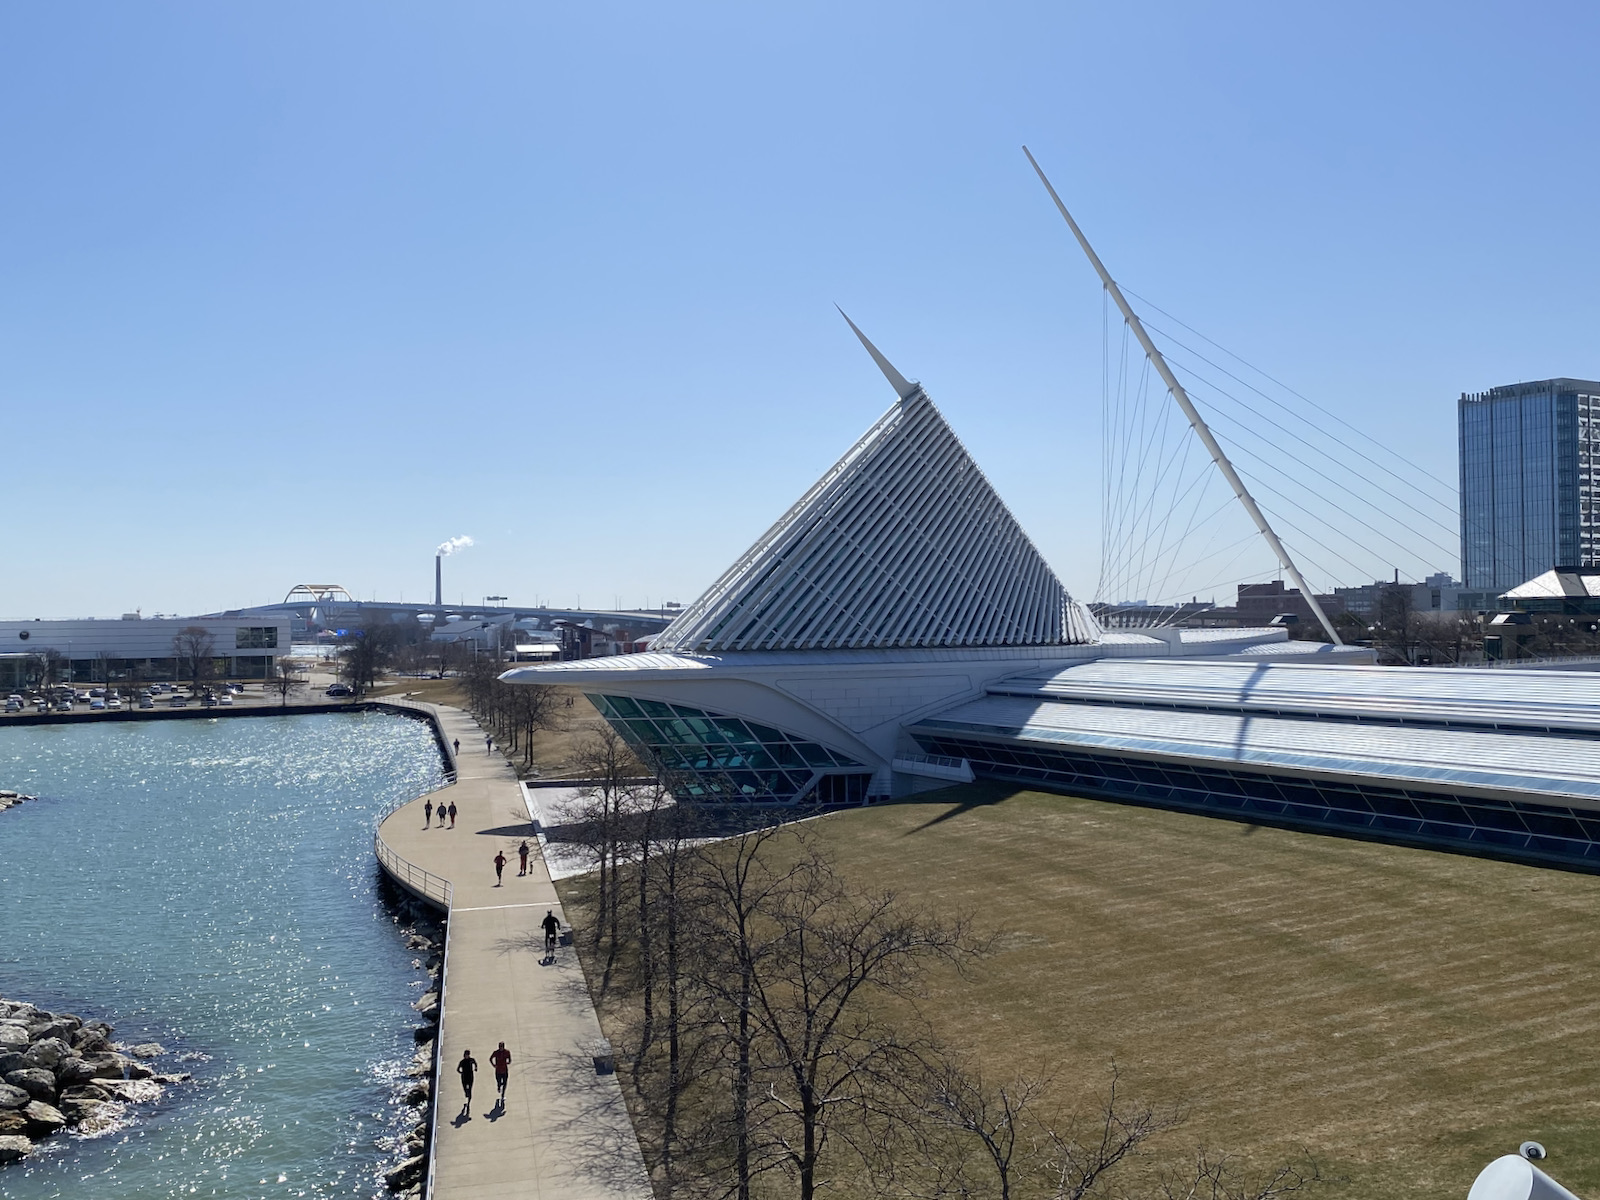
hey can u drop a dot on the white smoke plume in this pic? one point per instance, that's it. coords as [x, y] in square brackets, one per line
[454, 544]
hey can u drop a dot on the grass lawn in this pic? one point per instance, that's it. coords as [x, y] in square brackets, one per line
[1404, 1015]
[554, 749]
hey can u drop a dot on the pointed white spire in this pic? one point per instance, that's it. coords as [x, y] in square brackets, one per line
[903, 387]
[903, 544]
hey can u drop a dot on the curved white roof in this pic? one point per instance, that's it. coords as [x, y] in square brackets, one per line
[902, 544]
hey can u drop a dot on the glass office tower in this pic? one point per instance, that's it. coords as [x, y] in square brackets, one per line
[1525, 480]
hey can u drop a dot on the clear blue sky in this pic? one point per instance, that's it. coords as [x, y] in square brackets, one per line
[293, 292]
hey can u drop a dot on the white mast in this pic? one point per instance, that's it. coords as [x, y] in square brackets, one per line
[1201, 429]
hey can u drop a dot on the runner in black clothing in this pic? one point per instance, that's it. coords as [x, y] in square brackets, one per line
[467, 1068]
[499, 867]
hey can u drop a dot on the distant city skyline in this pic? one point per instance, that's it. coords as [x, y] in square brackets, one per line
[299, 296]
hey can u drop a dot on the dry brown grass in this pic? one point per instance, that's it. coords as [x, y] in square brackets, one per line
[1404, 1015]
[554, 749]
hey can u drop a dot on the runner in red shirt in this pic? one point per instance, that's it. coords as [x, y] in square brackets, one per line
[500, 1060]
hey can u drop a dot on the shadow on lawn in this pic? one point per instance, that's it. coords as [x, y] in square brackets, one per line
[962, 799]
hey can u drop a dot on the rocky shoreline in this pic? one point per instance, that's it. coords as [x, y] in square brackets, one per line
[62, 1072]
[10, 799]
[425, 937]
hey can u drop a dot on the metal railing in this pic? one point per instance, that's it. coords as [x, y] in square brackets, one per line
[430, 887]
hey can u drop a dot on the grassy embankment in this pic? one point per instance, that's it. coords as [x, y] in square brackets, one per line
[1404, 1015]
[554, 749]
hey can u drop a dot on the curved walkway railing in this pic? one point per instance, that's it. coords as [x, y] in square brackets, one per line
[424, 884]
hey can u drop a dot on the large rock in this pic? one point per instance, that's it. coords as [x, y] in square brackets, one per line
[134, 1091]
[39, 1084]
[89, 1040]
[73, 1071]
[428, 1005]
[43, 1119]
[13, 1037]
[13, 1122]
[11, 1061]
[147, 1050]
[89, 1091]
[47, 1052]
[13, 1148]
[107, 1065]
[13, 1097]
[406, 1173]
[55, 1027]
[79, 1108]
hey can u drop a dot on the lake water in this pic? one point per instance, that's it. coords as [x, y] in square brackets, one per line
[210, 885]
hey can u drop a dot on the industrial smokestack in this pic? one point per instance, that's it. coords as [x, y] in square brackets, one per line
[451, 547]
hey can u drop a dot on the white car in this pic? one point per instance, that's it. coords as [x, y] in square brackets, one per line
[114, 702]
[225, 698]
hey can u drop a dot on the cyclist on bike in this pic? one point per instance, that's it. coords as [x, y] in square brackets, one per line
[551, 928]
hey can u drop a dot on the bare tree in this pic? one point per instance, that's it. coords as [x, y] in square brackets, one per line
[1214, 1176]
[993, 1118]
[194, 648]
[1078, 1154]
[363, 655]
[285, 679]
[826, 1050]
[51, 666]
[604, 759]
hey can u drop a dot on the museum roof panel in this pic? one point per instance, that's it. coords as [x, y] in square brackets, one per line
[1498, 761]
[903, 543]
[1521, 699]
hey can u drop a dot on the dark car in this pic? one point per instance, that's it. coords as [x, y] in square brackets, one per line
[340, 689]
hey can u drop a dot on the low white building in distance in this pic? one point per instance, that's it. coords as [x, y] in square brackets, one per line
[135, 649]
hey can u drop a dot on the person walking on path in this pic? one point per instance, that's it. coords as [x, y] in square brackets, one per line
[467, 1068]
[499, 870]
[500, 1060]
[456, 746]
[551, 928]
[443, 813]
[522, 853]
[427, 814]
[488, 743]
[452, 814]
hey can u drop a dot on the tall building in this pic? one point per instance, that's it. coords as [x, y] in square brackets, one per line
[1525, 480]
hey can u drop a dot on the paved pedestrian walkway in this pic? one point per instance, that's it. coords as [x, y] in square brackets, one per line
[563, 1130]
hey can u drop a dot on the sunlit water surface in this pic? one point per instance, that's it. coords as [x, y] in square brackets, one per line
[210, 885]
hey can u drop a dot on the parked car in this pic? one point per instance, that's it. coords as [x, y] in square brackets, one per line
[98, 704]
[225, 698]
[63, 705]
[114, 702]
[13, 705]
[178, 701]
[340, 689]
[147, 702]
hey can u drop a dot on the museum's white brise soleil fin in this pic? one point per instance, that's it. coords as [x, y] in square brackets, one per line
[1196, 421]
[902, 544]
